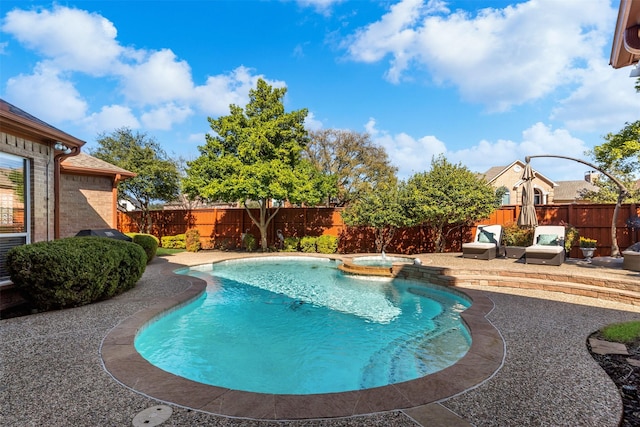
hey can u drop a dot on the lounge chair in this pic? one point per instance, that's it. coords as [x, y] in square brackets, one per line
[548, 246]
[485, 244]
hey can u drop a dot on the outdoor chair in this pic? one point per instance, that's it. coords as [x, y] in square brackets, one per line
[486, 243]
[631, 259]
[548, 246]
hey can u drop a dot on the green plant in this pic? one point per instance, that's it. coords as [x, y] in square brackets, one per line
[224, 244]
[250, 242]
[192, 240]
[148, 242]
[308, 244]
[291, 244]
[327, 244]
[174, 242]
[514, 235]
[74, 271]
[622, 332]
[585, 242]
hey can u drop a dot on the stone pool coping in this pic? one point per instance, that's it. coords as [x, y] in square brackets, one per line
[125, 364]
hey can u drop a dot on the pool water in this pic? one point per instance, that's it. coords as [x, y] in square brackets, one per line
[299, 326]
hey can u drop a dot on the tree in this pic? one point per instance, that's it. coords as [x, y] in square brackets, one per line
[354, 162]
[255, 155]
[621, 151]
[607, 191]
[157, 176]
[378, 207]
[448, 195]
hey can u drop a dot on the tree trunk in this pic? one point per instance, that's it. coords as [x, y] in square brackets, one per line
[263, 222]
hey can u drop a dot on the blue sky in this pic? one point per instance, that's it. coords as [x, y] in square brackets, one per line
[484, 82]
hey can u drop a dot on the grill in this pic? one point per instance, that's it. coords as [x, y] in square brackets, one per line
[112, 233]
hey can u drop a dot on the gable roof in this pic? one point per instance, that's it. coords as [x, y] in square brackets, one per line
[88, 165]
[495, 171]
[13, 120]
[570, 190]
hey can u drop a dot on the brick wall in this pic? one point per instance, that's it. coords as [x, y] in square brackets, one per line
[42, 191]
[510, 177]
[85, 202]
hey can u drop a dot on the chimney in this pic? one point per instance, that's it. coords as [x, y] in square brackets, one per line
[591, 176]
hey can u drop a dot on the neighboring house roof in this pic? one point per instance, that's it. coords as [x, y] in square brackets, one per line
[494, 172]
[18, 122]
[89, 165]
[625, 49]
[571, 190]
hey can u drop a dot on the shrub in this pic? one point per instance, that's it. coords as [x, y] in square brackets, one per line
[327, 244]
[291, 244]
[192, 240]
[74, 271]
[250, 242]
[308, 244]
[174, 242]
[514, 235]
[224, 244]
[148, 242]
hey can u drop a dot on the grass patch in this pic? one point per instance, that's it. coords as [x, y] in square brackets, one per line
[167, 251]
[625, 332]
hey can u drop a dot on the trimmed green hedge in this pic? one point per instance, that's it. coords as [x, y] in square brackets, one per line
[308, 244]
[192, 240]
[75, 271]
[178, 241]
[327, 244]
[148, 242]
[291, 244]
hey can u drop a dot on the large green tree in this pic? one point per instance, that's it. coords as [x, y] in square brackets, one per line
[448, 195]
[157, 176]
[354, 162]
[380, 208]
[254, 156]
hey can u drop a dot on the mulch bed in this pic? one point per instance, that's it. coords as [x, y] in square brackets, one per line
[626, 377]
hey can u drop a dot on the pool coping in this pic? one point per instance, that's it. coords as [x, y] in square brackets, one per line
[121, 360]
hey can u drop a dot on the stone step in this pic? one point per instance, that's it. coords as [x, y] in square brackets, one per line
[602, 292]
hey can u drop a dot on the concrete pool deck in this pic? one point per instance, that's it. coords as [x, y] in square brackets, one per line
[52, 371]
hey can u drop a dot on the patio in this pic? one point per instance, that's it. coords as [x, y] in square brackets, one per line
[52, 372]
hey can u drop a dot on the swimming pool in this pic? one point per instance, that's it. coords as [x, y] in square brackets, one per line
[299, 326]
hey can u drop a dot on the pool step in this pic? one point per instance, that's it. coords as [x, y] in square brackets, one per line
[365, 270]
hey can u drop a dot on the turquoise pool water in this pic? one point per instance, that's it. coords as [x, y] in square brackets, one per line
[299, 326]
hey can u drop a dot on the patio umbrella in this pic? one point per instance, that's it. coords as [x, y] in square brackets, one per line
[527, 216]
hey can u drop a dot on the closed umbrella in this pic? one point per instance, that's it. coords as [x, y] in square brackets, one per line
[527, 216]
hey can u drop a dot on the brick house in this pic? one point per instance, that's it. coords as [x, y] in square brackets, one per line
[510, 178]
[48, 188]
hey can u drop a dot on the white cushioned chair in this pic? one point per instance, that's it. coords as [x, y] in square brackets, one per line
[486, 243]
[548, 246]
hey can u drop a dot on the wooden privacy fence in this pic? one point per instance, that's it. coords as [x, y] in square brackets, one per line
[222, 227]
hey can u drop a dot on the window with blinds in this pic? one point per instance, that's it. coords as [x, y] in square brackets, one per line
[14, 206]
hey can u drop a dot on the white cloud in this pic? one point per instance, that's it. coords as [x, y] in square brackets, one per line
[160, 78]
[61, 103]
[73, 39]
[215, 96]
[110, 118]
[605, 100]
[321, 6]
[499, 57]
[311, 123]
[164, 117]
[538, 139]
[410, 155]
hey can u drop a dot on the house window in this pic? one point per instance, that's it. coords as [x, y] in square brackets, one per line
[538, 198]
[506, 195]
[14, 206]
